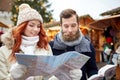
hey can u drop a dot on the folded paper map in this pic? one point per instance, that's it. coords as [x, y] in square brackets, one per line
[107, 71]
[52, 65]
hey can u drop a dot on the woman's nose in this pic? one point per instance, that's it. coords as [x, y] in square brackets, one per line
[35, 28]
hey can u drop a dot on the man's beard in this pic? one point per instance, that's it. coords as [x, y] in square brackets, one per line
[71, 37]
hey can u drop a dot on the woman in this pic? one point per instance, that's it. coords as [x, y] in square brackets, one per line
[28, 37]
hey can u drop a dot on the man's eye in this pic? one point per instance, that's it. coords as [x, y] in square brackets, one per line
[73, 25]
[66, 26]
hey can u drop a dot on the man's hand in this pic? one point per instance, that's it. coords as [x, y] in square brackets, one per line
[53, 78]
[75, 74]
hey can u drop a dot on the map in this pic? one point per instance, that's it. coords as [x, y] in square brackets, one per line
[52, 65]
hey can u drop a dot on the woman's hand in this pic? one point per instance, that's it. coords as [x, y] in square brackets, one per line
[18, 71]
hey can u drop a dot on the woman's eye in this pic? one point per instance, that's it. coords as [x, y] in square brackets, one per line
[31, 25]
[38, 26]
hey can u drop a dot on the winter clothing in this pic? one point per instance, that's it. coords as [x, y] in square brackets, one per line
[8, 71]
[76, 74]
[26, 13]
[19, 68]
[82, 45]
[53, 78]
[5, 51]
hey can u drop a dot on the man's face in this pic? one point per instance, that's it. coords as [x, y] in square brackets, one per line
[70, 28]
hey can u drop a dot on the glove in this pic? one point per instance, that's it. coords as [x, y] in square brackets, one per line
[75, 74]
[53, 78]
[18, 71]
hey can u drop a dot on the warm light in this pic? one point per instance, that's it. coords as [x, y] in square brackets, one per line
[93, 30]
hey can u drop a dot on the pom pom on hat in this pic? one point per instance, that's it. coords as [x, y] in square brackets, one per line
[24, 6]
[26, 13]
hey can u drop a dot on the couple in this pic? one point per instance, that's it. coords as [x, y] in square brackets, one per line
[29, 37]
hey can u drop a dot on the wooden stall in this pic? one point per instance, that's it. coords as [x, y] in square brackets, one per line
[100, 26]
[103, 24]
[52, 31]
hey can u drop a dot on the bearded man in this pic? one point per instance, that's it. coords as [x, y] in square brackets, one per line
[70, 38]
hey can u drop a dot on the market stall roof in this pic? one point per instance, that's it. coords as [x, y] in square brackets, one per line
[111, 12]
[85, 20]
[51, 24]
[3, 25]
[54, 28]
[101, 24]
[58, 28]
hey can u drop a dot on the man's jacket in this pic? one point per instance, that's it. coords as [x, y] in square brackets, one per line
[85, 47]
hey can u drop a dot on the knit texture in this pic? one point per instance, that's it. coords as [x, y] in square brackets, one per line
[81, 44]
[26, 13]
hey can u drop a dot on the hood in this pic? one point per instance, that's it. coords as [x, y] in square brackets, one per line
[7, 39]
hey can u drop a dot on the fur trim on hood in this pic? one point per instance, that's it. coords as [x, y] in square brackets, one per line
[7, 39]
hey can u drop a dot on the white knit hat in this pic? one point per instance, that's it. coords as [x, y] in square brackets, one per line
[26, 13]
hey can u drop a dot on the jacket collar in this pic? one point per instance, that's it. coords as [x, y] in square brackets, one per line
[7, 39]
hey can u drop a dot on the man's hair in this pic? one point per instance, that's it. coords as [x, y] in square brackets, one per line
[67, 13]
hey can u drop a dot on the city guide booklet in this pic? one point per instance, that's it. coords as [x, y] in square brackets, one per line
[48, 66]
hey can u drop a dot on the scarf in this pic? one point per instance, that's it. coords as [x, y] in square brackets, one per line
[72, 43]
[28, 44]
[81, 44]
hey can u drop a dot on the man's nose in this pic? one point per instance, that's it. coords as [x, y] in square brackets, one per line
[70, 29]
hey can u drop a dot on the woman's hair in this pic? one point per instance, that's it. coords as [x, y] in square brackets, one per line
[17, 35]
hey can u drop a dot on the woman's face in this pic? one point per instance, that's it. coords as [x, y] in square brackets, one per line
[33, 28]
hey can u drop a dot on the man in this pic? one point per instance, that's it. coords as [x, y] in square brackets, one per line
[70, 38]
